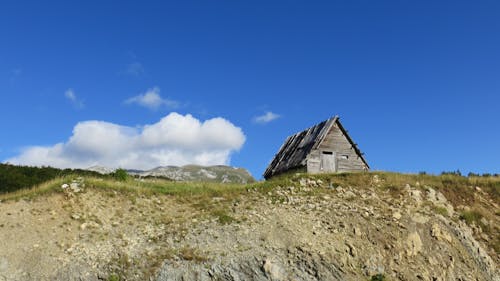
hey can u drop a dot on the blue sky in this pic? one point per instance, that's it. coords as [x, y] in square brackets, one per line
[416, 83]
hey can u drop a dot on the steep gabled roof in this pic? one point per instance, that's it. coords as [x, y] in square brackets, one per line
[294, 151]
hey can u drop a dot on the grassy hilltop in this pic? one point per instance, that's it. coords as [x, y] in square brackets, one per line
[359, 226]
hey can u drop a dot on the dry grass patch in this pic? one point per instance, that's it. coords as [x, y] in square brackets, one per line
[191, 254]
[223, 217]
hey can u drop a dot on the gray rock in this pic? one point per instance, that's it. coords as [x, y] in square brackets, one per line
[303, 266]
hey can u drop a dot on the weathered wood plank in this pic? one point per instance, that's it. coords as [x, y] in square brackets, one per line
[305, 148]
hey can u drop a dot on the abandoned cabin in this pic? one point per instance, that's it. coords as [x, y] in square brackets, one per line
[323, 148]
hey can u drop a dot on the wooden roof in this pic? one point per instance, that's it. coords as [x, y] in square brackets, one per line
[294, 151]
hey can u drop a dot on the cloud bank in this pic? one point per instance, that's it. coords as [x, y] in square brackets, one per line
[151, 99]
[174, 140]
[266, 117]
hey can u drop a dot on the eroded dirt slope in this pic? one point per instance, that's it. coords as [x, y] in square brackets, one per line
[306, 229]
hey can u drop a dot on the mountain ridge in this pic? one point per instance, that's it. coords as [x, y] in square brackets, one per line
[190, 172]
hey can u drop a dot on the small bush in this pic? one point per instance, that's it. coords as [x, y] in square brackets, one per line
[114, 277]
[120, 175]
[455, 173]
[471, 216]
[378, 277]
[223, 217]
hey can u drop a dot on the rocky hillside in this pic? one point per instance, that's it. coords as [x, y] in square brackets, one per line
[222, 174]
[219, 173]
[330, 227]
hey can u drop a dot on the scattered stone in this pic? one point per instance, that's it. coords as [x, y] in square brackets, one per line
[419, 218]
[352, 250]
[416, 195]
[438, 233]
[435, 196]
[303, 182]
[349, 195]
[414, 244]
[357, 232]
[312, 182]
[396, 215]
[484, 221]
[353, 239]
[90, 224]
[273, 270]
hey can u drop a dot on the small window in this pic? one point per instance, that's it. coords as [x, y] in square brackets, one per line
[328, 152]
[344, 157]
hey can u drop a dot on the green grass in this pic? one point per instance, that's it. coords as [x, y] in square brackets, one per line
[440, 210]
[223, 217]
[458, 189]
[471, 217]
[200, 195]
[113, 277]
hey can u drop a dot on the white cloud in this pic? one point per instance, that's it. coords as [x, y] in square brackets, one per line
[266, 117]
[135, 69]
[174, 140]
[152, 100]
[71, 96]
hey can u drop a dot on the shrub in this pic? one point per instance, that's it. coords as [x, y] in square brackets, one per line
[471, 216]
[456, 173]
[13, 178]
[378, 277]
[114, 277]
[120, 175]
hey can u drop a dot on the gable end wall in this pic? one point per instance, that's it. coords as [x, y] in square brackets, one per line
[338, 143]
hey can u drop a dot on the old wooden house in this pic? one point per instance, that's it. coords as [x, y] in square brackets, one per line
[323, 148]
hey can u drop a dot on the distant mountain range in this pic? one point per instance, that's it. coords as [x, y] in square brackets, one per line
[219, 173]
[101, 169]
